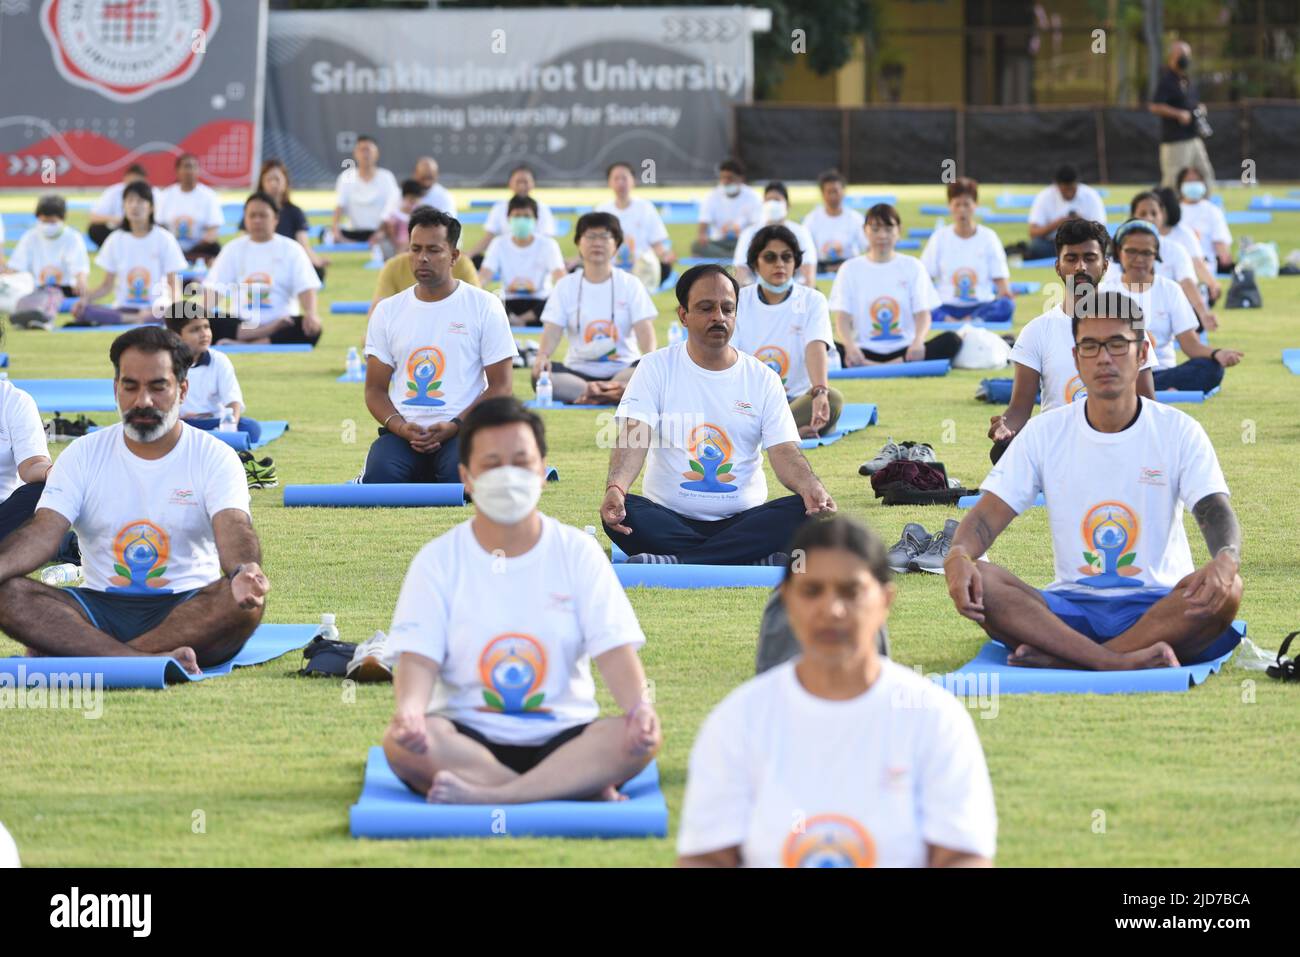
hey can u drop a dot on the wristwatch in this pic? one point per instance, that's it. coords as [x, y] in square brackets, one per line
[817, 390]
[455, 420]
[1233, 550]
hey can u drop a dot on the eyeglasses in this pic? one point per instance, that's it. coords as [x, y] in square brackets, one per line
[770, 257]
[1139, 253]
[1116, 346]
[596, 236]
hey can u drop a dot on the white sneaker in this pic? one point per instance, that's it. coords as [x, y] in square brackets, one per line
[371, 661]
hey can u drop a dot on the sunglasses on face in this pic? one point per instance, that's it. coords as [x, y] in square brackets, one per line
[773, 257]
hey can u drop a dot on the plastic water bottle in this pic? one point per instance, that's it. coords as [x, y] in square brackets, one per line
[590, 530]
[227, 420]
[376, 256]
[355, 371]
[58, 575]
[327, 629]
[676, 334]
[544, 392]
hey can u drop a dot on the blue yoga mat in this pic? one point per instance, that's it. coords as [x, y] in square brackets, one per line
[1243, 217]
[854, 416]
[1274, 204]
[556, 406]
[920, 232]
[1026, 288]
[997, 391]
[1009, 201]
[244, 347]
[116, 328]
[343, 247]
[1291, 359]
[357, 495]
[894, 370]
[968, 501]
[1170, 396]
[862, 203]
[696, 576]
[387, 808]
[239, 440]
[954, 325]
[908, 244]
[357, 308]
[267, 643]
[1047, 263]
[70, 395]
[933, 209]
[698, 261]
[1004, 217]
[979, 674]
[4, 360]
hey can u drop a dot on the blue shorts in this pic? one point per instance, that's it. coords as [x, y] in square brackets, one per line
[127, 617]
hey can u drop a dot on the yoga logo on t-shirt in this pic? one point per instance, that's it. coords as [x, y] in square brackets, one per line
[424, 370]
[599, 329]
[832, 250]
[775, 358]
[257, 290]
[964, 281]
[829, 840]
[1111, 528]
[512, 668]
[521, 284]
[709, 451]
[884, 313]
[626, 254]
[183, 227]
[50, 276]
[1075, 389]
[138, 281]
[140, 553]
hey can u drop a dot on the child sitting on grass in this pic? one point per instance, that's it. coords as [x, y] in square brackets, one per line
[213, 386]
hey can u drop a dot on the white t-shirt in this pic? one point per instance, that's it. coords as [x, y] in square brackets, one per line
[1046, 345]
[883, 299]
[498, 219]
[524, 271]
[1174, 262]
[22, 435]
[598, 318]
[439, 350]
[145, 527]
[709, 431]
[1210, 225]
[642, 227]
[963, 270]
[514, 637]
[778, 335]
[1166, 313]
[141, 266]
[213, 386]
[263, 279]
[439, 197]
[836, 237]
[795, 780]
[366, 202]
[730, 214]
[1114, 500]
[1049, 205]
[51, 261]
[187, 215]
[806, 244]
[1185, 237]
[110, 202]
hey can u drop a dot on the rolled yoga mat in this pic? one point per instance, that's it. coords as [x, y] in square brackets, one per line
[989, 674]
[894, 370]
[355, 308]
[70, 395]
[697, 576]
[264, 347]
[267, 642]
[853, 417]
[239, 440]
[968, 501]
[955, 325]
[343, 247]
[1291, 359]
[387, 808]
[382, 495]
[1170, 396]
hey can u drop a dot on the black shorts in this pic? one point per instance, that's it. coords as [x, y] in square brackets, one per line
[517, 307]
[561, 367]
[227, 327]
[522, 758]
[127, 617]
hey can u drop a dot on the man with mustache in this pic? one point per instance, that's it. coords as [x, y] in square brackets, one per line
[704, 411]
[161, 510]
[1043, 354]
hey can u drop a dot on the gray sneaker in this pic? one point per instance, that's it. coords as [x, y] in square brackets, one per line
[891, 451]
[931, 560]
[918, 452]
[915, 540]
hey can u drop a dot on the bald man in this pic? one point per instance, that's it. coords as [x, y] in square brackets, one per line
[435, 194]
[1176, 103]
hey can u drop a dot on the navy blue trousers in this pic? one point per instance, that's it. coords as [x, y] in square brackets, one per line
[391, 459]
[742, 539]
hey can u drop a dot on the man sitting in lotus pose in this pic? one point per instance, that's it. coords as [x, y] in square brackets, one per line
[161, 513]
[705, 411]
[1116, 470]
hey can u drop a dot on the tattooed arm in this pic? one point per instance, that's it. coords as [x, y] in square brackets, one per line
[1215, 587]
[1219, 525]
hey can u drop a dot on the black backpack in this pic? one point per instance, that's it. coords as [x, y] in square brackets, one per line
[1244, 292]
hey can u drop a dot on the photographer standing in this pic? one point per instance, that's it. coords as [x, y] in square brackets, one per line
[1183, 124]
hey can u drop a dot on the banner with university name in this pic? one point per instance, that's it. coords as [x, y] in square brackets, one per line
[92, 86]
[567, 90]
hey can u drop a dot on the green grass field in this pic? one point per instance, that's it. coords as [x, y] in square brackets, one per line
[273, 760]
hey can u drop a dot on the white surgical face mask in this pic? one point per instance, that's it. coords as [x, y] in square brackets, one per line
[51, 230]
[731, 189]
[774, 210]
[1194, 190]
[507, 494]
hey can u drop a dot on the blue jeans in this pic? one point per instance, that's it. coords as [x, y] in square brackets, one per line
[250, 426]
[392, 460]
[741, 539]
[995, 310]
[1195, 375]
